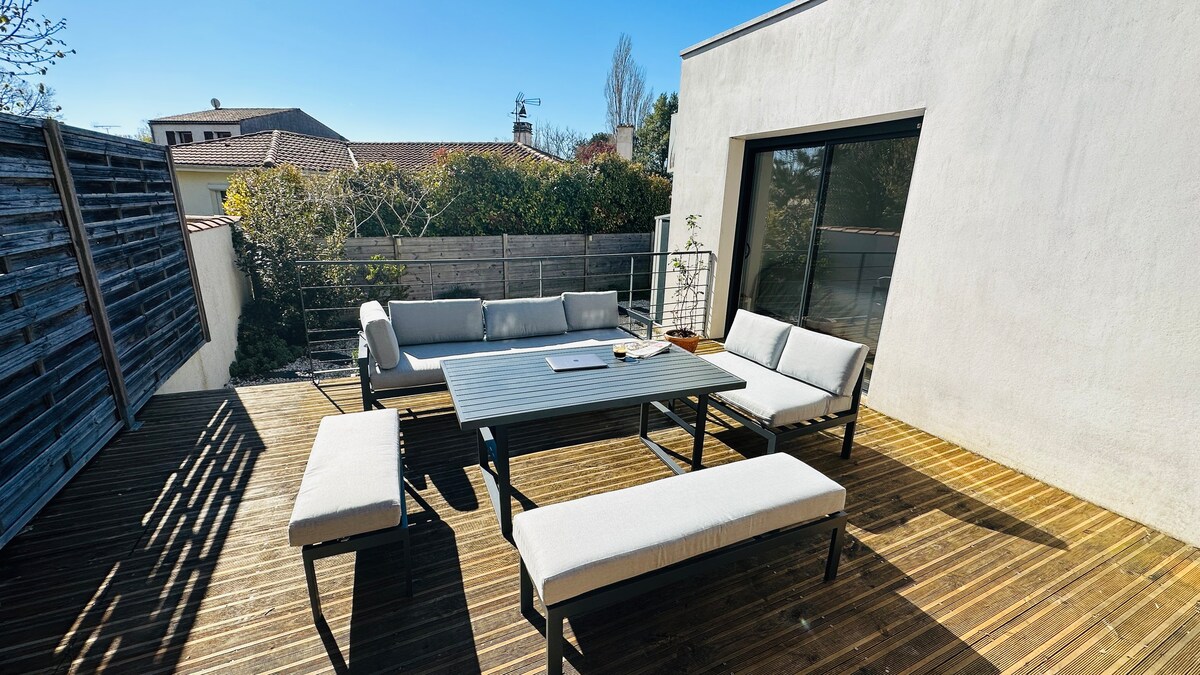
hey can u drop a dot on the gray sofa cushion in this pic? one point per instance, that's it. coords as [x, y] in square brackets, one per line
[422, 364]
[525, 317]
[586, 311]
[824, 361]
[352, 482]
[757, 337]
[418, 322]
[772, 397]
[583, 544]
[379, 334]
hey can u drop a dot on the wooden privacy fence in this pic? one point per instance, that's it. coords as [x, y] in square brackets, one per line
[494, 278]
[98, 300]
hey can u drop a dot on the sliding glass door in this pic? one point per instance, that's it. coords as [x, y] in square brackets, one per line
[819, 224]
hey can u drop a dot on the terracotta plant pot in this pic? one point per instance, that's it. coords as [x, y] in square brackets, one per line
[689, 343]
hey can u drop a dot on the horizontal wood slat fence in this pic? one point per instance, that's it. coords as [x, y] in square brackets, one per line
[98, 300]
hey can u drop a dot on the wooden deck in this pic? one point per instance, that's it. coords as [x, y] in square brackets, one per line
[169, 553]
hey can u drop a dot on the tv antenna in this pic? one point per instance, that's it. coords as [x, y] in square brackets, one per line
[105, 127]
[519, 112]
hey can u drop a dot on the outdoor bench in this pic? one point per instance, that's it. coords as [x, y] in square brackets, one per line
[797, 381]
[352, 494]
[401, 349]
[591, 552]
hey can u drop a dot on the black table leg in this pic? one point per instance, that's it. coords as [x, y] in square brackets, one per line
[493, 444]
[698, 434]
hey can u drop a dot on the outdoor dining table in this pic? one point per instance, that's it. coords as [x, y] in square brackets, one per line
[494, 392]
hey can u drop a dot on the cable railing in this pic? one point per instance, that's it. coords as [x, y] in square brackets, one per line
[331, 291]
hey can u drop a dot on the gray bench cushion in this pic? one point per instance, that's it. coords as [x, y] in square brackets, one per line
[418, 322]
[524, 317]
[586, 311]
[824, 361]
[377, 329]
[772, 397]
[352, 482]
[756, 337]
[581, 545]
[422, 364]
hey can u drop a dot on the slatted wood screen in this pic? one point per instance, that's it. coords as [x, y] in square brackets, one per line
[98, 300]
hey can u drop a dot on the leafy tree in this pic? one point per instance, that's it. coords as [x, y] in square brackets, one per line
[625, 94]
[28, 47]
[600, 143]
[652, 139]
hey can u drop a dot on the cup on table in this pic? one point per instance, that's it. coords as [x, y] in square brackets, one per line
[619, 351]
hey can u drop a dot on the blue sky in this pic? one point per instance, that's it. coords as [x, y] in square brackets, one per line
[373, 71]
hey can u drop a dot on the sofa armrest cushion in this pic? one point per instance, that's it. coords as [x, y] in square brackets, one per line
[419, 322]
[824, 361]
[525, 317]
[587, 311]
[381, 339]
[757, 337]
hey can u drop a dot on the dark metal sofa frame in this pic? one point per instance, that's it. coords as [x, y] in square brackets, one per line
[371, 397]
[623, 590]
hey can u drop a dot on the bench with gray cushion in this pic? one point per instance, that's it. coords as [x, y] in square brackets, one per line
[587, 553]
[352, 493]
[797, 381]
[402, 349]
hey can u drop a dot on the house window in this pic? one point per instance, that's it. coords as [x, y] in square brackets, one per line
[818, 226]
[209, 135]
[218, 195]
[177, 137]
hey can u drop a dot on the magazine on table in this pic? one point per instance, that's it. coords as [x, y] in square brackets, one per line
[649, 348]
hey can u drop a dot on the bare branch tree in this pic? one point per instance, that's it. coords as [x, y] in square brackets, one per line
[20, 97]
[625, 92]
[28, 45]
[556, 140]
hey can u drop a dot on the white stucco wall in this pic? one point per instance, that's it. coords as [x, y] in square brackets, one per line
[225, 291]
[1045, 305]
[195, 189]
[159, 130]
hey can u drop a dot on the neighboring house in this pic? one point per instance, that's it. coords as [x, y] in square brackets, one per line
[1016, 182]
[207, 125]
[203, 169]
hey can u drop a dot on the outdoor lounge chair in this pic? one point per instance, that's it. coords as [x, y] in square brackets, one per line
[797, 381]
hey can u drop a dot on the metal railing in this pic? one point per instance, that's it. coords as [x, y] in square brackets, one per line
[331, 291]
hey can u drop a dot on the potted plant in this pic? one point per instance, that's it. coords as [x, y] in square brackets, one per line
[690, 291]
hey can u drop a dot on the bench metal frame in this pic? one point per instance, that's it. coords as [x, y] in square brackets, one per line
[358, 542]
[371, 397]
[849, 418]
[623, 590]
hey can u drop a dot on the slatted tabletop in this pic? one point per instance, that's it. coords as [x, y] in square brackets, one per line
[501, 389]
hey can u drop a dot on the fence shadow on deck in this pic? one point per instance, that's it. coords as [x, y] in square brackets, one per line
[139, 533]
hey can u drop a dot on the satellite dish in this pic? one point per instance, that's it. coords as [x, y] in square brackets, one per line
[216, 103]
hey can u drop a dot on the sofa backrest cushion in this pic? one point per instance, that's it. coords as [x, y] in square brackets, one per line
[381, 340]
[757, 337]
[419, 322]
[586, 311]
[525, 317]
[824, 361]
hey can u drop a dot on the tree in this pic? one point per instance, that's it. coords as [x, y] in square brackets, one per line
[653, 138]
[28, 47]
[625, 93]
[556, 140]
[600, 143]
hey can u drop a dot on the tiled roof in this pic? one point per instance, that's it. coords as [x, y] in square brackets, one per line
[312, 153]
[201, 223]
[231, 115]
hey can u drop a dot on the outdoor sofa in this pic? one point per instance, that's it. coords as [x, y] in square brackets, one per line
[797, 381]
[401, 350]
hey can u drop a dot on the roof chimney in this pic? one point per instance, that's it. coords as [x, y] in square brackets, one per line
[523, 133]
[625, 141]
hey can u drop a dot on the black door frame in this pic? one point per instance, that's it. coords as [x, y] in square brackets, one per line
[874, 132]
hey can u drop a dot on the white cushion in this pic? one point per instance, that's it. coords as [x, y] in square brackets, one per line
[352, 482]
[586, 311]
[821, 360]
[379, 334]
[584, 544]
[422, 364]
[775, 399]
[419, 322]
[757, 337]
[525, 317]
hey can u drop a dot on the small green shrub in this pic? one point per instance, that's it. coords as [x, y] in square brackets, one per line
[266, 340]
